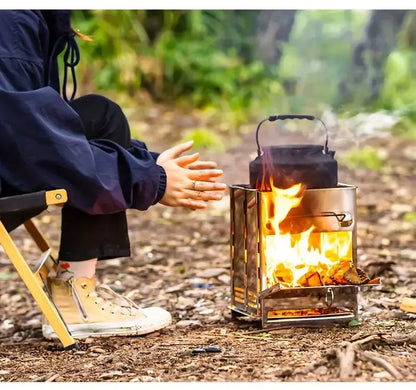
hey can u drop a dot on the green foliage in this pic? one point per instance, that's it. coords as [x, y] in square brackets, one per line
[367, 157]
[111, 57]
[399, 88]
[203, 75]
[405, 128]
[409, 217]
[317, 56]
[179, 57]
[203, 139]
[399, 91]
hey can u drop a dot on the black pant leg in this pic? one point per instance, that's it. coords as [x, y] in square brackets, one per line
[85, 236]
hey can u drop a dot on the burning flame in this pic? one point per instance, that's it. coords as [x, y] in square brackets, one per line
[307, 257]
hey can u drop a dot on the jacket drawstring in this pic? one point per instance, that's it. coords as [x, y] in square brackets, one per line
[71, 60]
[71, 53]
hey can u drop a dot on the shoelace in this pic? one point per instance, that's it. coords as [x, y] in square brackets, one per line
[124, 302]
[126, 306]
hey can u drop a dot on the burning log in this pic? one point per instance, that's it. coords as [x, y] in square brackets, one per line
[350, 274]
[338, 271]
[356, 276]
[340, 274]
[283, 275]
[310, 279]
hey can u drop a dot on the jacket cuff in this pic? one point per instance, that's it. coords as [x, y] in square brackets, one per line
[162, 184]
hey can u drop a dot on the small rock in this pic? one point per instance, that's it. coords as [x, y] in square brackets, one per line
[34, 322]
[185, 303]
[97, 350]
[184, 323]
[15, 298]
[206, 311]
[286, 372]
[111, 374]
[212, 272]
[321, 370]
[382, 375]
[176, 288]
[408, 253]
[224, 278]
[6, 325]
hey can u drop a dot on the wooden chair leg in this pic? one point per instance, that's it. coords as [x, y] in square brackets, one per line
[36, 235]
[35, 287]
[49, 264]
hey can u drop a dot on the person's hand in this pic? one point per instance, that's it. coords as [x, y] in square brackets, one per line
[190, 183]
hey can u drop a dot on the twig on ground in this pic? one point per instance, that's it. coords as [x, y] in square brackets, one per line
[346, 355]
[377, 359]
[398, 339]
[367, 340]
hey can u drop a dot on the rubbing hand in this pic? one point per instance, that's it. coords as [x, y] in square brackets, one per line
[190, 183]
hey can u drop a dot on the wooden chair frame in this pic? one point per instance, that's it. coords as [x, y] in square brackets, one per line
[35, 279]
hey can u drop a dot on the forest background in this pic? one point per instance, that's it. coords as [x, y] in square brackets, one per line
[234, 66]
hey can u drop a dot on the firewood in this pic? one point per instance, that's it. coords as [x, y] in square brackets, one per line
[336, 273]
[282, 274]
[363, 276]
[356, 275]
[352, 275]
[314, 279]
[327, 281]
[310, 279]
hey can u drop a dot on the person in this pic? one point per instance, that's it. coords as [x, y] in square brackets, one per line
[49, 141]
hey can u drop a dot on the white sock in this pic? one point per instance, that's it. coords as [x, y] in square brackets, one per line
[77, 269]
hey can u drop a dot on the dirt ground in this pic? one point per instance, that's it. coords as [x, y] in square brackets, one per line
[181, 261]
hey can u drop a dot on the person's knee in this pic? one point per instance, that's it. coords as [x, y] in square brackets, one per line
[99, 103]
[103, 118]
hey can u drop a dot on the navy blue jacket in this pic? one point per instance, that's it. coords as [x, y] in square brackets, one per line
[42, 141]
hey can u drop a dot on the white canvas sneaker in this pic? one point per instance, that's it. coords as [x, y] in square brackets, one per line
[99, 311]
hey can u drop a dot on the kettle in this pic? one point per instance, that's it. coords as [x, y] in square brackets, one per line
[283, 166]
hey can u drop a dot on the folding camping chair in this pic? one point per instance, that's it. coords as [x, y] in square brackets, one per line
[17, 210]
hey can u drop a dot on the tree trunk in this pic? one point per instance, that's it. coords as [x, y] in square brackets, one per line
[273, 29]
[365, 76]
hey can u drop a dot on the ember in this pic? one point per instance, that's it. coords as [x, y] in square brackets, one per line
[308, 312]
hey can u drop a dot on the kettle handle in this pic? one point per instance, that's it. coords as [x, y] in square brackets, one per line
[273, 118]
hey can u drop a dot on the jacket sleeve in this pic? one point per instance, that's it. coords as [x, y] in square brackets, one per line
[42, 141]
[42, 146]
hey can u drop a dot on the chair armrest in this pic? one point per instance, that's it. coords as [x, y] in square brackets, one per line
[33, 200]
